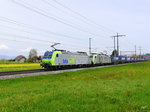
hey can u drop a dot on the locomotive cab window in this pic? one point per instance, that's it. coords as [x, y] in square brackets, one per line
[48, 54]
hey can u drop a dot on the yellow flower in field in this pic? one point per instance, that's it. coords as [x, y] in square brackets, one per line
[18, 65]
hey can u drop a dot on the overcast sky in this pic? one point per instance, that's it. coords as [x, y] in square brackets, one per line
[40, 23]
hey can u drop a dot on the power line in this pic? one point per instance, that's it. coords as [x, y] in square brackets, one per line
[5, 39]
[86, 31]
[24, 37]
[38, 11]
[28, 26]
[29, 38]
[4, 19]
[16, 29]
[51, 17]
[81, 19]
[77, 13]
[1, 38]
[85, 21]
[34, 10]
[19, 3]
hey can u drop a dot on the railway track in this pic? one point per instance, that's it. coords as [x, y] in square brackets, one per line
[39, 70]
[34, 71]
[20, 72]
[26, 73]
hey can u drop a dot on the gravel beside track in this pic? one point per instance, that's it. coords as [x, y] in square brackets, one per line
[27, 73]
[20, 72]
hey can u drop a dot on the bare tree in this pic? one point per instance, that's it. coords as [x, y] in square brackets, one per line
[32, 55]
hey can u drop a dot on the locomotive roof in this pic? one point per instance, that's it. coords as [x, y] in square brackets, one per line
[74, 53]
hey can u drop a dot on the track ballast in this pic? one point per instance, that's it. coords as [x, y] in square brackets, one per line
[20, 72]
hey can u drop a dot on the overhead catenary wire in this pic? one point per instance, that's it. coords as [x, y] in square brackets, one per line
[6, 39]
[77, 13]
[24, 37]
[73, 16]
[78, 28]
[91, 34]
[22, 24]
[4, 19]
[14, 40]
[39, 40]
[31, 28]
[28, 32]
[52, 18]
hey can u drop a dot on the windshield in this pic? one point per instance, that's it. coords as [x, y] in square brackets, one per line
[48, 54]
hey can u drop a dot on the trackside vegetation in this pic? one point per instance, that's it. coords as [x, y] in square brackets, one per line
[124, 88]
[19, 66]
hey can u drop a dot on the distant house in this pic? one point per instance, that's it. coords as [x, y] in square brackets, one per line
[19, 58]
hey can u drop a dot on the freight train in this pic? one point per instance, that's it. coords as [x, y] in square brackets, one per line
[60, 59]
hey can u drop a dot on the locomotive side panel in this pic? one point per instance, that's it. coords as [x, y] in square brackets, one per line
[72, 59]
[105, 59]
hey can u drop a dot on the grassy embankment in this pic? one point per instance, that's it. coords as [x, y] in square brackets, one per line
[18, 66]
[123, 88]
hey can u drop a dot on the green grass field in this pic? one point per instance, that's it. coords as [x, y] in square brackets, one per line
[19, 66]
[124, 88]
